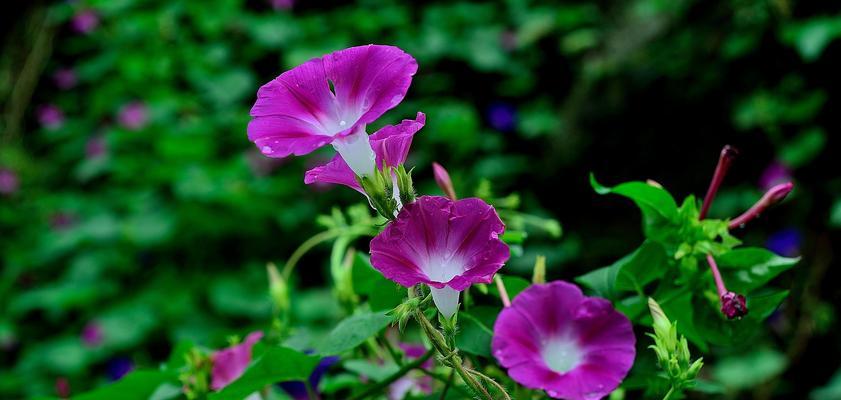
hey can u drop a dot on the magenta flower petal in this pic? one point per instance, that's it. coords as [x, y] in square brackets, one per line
[445, 244]
[230, 363]
[556, 339]
[328, 98]
[391, 147]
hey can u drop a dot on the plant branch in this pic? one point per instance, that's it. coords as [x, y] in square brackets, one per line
[381, 385]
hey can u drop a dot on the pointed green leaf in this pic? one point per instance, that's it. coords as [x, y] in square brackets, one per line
[749, 268]
[352, 332]
[138, 385]
[276, 364]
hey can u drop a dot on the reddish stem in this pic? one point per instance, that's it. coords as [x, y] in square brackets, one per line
[503, 294]
[771, 197]
[728, 154]
[719, 283]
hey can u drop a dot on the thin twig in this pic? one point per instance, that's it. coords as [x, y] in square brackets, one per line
[381, 385]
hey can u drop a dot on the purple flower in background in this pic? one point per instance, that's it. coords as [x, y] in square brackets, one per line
[61, 220]
[391, 147]
[282, 4]
[502, 116]
[785, 242]
[230, 363]
[774, 174]
[92, 334]
[118, 368]
[445, 244]
[556, 339]
[297, 390]
[62, 387]
[259, 165]
[95, 147]
[9, 183]
[414, 382]
[85, 21]
[50, 116]
[65, 78]
[329, 100]
[508, 40]
[133, 116]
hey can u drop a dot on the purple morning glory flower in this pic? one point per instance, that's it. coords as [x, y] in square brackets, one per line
[415, 383]
[282, 4]
[556, 339]
[445, 244]
[9, 183]
[785, 242]
[65, 78]
[85, 21]
[298, 389]
[329, 100]
[774, 174]
[62, 387]
[502, 116]
[230, 363]
[50, 116]
[133, 116]
[119, 367]
[391, 147]
[92, 334]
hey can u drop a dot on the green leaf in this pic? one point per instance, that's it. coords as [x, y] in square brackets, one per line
[476, 330]
[277, 364]
[177, 358]
[382, 294]
[652, 200]
[762, 305]
[646, 264]
[803, 148]
[679, 307]
[352, 332]
[630, 273]
[140, 385]
[750, 369]
[749, 268]
[830, 391]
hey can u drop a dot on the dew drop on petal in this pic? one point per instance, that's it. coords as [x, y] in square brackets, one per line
[266, 149]
[342, 123]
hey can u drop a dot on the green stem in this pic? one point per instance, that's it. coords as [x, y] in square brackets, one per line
[320, 238]
[447, 385]
[450, 356]
[445, 380]
[391, 351]
[381, 385]
[669, 393]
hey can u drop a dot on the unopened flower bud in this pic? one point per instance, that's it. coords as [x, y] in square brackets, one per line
[773, 196]
[278, 289]
[442, 178]
[733, 305]
[539, 274]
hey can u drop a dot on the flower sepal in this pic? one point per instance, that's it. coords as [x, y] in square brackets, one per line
[404, 311]
[379, 187]
[404, 185]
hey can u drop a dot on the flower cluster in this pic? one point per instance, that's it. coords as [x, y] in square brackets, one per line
[552, 337]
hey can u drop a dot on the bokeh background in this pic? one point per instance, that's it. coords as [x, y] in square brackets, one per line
[135, 213]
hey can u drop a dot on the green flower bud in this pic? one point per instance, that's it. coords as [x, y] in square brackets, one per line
[278, 289]
[539, 274]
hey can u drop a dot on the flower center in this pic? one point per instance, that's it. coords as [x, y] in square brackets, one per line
[561, 354]
[356, 150]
